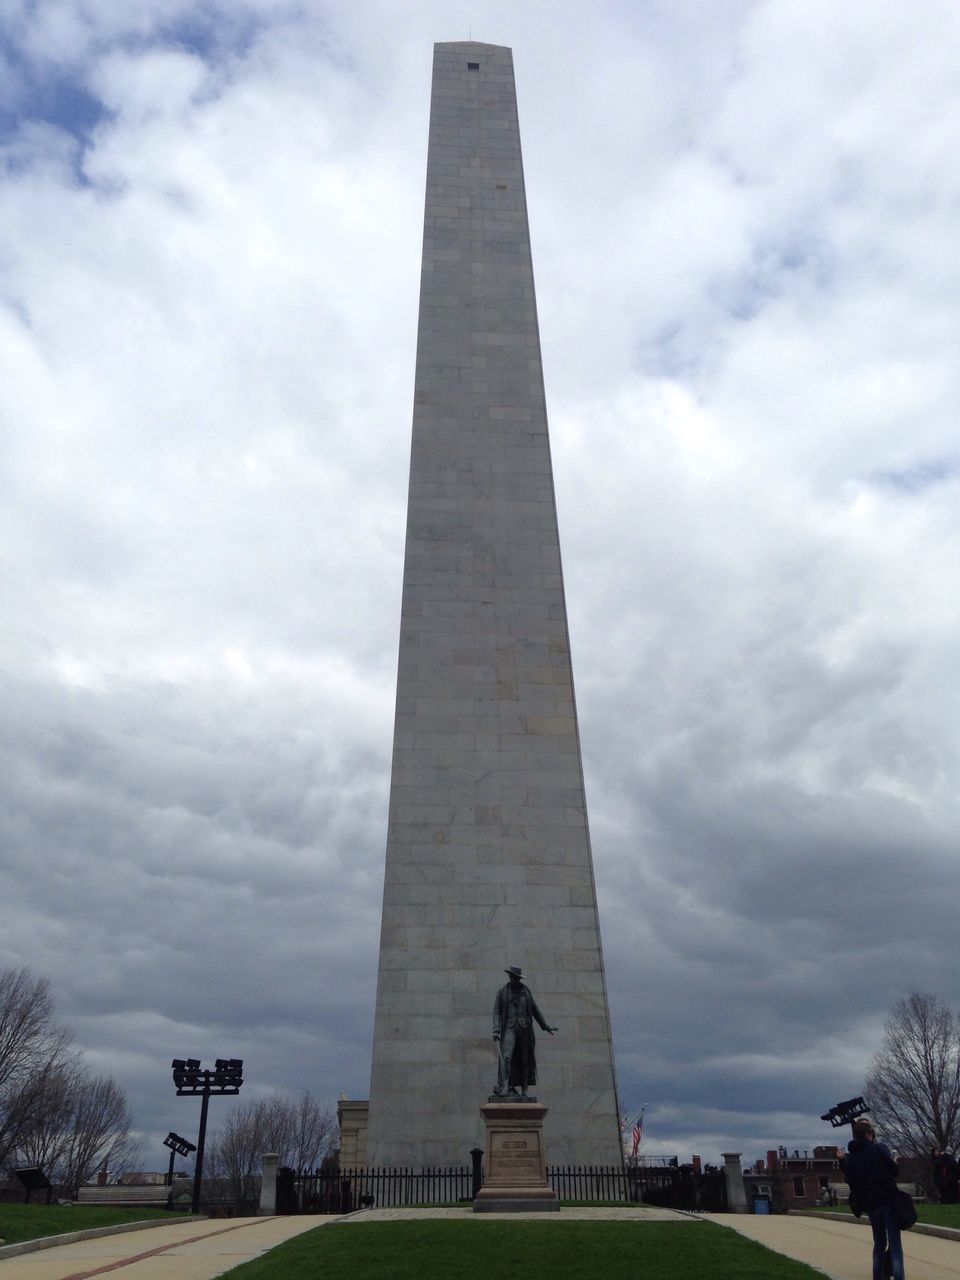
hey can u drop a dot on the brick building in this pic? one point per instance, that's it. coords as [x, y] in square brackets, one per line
[794, 1180]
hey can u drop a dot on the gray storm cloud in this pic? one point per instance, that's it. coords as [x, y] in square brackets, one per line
[745, 248]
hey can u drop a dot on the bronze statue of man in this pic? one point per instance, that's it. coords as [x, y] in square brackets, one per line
[514, 1013]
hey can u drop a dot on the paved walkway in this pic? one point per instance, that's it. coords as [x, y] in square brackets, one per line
[843, 1250]
[581, 1213]
[187, 1251]
[206, 1249]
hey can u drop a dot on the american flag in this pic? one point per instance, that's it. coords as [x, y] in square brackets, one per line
[637, 1134]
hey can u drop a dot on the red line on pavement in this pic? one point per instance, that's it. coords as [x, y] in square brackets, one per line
[151, 1253]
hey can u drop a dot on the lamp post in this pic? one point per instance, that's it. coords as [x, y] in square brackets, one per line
[846, 1112]
[178, 1147]
[193, 1082]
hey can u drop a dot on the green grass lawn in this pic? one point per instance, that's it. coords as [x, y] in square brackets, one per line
[31, 1221]
[938, 1215]
[431, 1250]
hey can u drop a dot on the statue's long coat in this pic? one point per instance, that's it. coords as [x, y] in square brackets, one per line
[523, 1064]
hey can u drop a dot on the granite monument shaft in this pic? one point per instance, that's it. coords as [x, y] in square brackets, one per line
[488, 853]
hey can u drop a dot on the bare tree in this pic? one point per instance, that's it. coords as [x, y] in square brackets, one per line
[300, 1131]
[314, 1132]
[83, 1122]
[32, 1050]
[45, 1142]
[914, 1083]
[235, 1153]
[274, 1118]
[99, 1130]
[52, 1112]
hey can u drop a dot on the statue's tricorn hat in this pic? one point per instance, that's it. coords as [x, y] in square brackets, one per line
[514, 971]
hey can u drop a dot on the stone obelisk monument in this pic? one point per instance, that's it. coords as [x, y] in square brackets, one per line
[488, 860]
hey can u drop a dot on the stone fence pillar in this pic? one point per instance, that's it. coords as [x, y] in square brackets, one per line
[736, 1192]
[268, 1187]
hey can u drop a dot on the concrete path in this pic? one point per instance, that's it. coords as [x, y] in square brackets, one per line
[187, 1251]
[843, 1250]
[578, 1213]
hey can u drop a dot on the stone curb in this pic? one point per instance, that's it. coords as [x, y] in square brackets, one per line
[918, 1228]
[71, 1237]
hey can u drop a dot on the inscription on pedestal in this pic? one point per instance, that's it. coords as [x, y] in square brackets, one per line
[516, 1175]
[516, 1154]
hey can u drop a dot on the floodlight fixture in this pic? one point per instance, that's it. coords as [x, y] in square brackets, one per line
[178, 1147]
[228, 1074]
[181, 1146]
[193, 1082]
[846, 1112]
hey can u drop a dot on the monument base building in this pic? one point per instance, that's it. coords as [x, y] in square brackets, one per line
[488, 861]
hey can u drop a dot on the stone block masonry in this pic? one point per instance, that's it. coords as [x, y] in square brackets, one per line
[488, 859]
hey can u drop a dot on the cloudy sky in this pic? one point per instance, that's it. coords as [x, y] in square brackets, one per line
[744, 217]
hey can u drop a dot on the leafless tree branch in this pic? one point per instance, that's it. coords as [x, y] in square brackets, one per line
[913, 1087]
[32, 1050]
[299, 1130]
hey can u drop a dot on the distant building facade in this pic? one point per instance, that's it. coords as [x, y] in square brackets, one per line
[352, 1118]
[796, 1180]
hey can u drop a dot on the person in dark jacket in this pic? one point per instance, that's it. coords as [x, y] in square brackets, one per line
[945, 1171]
[872, 1172]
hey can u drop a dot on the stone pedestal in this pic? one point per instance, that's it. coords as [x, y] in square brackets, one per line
[733, 1172]
[516, 1167]
[268, 1186]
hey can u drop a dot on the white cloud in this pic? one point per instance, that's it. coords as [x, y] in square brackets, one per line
[745, 245]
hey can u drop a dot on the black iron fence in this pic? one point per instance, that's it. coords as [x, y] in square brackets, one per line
[348, 1189]
[667, 1186]
[670, 1187]
[344, 1190]
[589, 1182]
